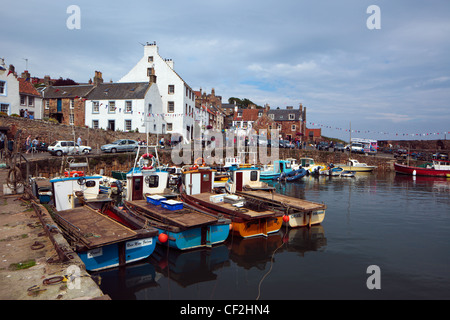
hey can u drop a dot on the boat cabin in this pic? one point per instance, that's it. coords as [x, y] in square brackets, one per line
[198, 181]
[245, 177]
[141, 182]
[64, 189]
[307, 162]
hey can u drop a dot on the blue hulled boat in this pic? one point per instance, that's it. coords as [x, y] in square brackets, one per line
[99, 241]
[150, 202]
[279, 167]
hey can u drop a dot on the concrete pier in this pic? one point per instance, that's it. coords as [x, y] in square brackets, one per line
[30, 268]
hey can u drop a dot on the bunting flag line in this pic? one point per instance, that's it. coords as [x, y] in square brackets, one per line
[423, 134]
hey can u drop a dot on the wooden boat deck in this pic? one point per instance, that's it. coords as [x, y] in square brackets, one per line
[285, 201]
[230, 209]
[184, 218]
[94, 229]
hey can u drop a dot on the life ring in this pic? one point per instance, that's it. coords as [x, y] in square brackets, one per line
[74, 173]
[203, 162]
[194, 167]
[146, 156]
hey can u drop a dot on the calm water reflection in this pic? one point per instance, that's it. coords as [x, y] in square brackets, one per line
[398, 223]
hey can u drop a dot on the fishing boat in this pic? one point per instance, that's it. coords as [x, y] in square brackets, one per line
[355, 165]
[439, 168]
[297, 212]
[279, 167]
[151, 202]
[246, 220]
[254, 208]
[99, 241]
[310, 166]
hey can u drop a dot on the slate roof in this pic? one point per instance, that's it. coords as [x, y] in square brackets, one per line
[69, 92]
[283, 114]
[119, 90]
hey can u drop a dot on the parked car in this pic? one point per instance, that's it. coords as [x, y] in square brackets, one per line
[323, 146]
[356, 148]
[67, 147]
[122, 145]
[339, 147]
[289, 144]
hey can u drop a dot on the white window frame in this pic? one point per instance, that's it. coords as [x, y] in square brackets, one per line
[95, 106]
[130, 110]
[3, 87]
[95, 124]
[2, 105]
[125, 125]
[169, 104]
[111, 106]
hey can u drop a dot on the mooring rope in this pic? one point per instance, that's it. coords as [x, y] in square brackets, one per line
[267, 273]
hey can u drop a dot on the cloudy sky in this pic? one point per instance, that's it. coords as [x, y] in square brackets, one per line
[388, 83]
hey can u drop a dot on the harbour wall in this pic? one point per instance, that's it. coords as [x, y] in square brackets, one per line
[106, 163]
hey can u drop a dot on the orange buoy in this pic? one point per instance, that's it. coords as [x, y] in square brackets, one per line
[285, 218]
[163, 237]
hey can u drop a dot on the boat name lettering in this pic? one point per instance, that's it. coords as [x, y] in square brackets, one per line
[138, 243]
[95, 253]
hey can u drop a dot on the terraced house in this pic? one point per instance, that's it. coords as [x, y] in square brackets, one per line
[178, 98]
[127, 106]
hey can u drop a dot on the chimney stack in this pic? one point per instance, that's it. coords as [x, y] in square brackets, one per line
[98, 78]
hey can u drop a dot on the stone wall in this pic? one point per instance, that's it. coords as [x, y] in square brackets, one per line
[49, 132]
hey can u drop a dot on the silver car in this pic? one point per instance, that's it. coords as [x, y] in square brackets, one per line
[122, 145]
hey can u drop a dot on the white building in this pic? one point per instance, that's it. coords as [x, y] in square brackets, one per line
[178, 99]
[125, 106]
[9, 89]
[18, 95]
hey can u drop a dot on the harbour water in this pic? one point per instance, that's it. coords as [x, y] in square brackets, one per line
[399, 224]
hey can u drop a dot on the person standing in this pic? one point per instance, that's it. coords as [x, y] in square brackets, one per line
[28, 144]
[79, 141]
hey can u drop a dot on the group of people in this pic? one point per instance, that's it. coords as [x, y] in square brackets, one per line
[32, 145]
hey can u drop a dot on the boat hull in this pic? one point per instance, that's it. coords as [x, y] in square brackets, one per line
[197, 237]
[258, 227]
[177, 238]
[358, 169]
[304, 219]
[403, 169]
[269, 176]
[245, 228]
[109, 256]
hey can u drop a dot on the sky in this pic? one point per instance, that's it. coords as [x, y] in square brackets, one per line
[389, 82]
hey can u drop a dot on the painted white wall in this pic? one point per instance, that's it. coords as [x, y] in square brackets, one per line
[139, 115]
[183, 96]
[10, 96]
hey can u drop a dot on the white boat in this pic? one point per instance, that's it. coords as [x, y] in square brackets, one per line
[309, 165]
[348, 174]
[355, 165]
